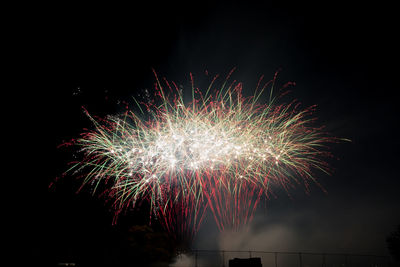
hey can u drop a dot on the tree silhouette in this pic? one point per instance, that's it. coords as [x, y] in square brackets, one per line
[393, 242]
[149, 247]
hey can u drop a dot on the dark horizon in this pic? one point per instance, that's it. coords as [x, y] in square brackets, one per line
[342, 57]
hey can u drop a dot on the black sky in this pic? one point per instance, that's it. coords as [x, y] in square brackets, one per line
[343, 57]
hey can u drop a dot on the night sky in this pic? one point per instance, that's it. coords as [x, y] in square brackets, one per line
[343, 58]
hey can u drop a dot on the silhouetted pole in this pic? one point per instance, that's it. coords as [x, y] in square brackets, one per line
[223, 258]
[276, 259]
[324, 260]
[300, 260]
[195, 258]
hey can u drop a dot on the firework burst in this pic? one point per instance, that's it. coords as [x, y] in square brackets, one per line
[222, 151]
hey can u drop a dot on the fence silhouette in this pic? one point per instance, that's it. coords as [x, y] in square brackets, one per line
[218, 258]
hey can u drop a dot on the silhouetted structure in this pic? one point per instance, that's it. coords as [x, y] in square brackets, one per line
[393, 242]
[293, 258]
[250, 262]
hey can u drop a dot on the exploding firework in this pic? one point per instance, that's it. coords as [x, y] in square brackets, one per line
[221, 151]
